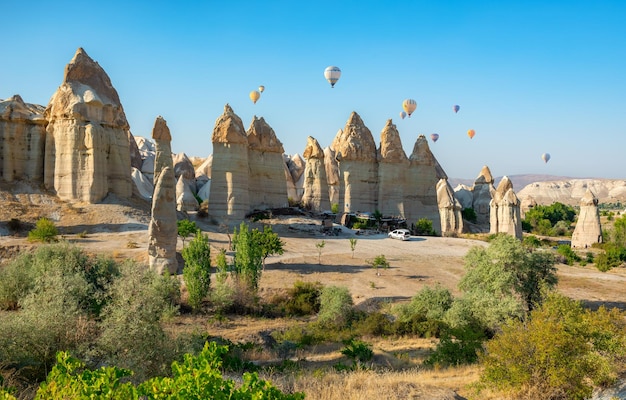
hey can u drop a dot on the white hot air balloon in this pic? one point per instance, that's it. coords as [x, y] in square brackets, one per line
[409, 105]
[261, 88]
[402, 114]
[545, 157]
[332, 75]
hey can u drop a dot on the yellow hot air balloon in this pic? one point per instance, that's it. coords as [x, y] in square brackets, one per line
[409, 105]
[261, 88]
[471, 133]
[255, 95]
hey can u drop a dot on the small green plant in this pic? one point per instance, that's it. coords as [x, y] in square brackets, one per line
[359, 352]
[44, 231]
[82, 234]
[320, 246]
[424, 226]
[334, 208]
[352, 245]
[379, 261]
[186, 228]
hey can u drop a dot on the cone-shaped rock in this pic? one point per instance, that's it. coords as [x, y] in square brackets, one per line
[87, 150]
[392, 167]
[292, 193]
[185, 200]
[331, 167]
[358, 167]
[588, 229]
[163, 227]
[315, 184]
[267, 171]
[229, 199]
[423, 174]
[449, 209]
[22, 139]
[483, 190]
[505, 210]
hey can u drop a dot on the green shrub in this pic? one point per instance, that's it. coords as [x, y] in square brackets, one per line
[469, 214]
[357, 351]
[568, 254]
[197, 270]
[334, 208]
[430, 302]
[374, 324]
[457, 346]
[44, 231]
[304, 299]
[335, 306]
[186, 228]
[531, 241]
[248, 261]
[379, 261]
[424, 227]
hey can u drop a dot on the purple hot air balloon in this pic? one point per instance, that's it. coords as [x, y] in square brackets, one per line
[456, 108]
[434, 137]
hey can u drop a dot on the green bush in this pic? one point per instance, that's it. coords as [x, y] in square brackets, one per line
[334, 208]
[531, 241]
[568, 254]
[186, 228]
[335, 306]
[357, 351]
[457, 346]
[430, 302]
[374, 324]
[304, 299]
[248, 261]
[379, 261]
[197, 270]
[424, 227]
[44, 231]
[469, 214]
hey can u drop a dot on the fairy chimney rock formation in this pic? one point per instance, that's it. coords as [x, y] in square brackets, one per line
[267, 171]
[229, 200]
[449, 209]
[331, 166]
[22, 139]
[296, 166]
[163, 227]
[423, 174]
[185, 199]
[356, 152]
[483, 190]
[505, 210]
[392, 167]
[315, 183]
[588, 229]
[87, 149]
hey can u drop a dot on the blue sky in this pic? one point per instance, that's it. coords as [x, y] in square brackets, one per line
[530, 76]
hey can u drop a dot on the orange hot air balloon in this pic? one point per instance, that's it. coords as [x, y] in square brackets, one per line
[409, 105]
[471, 133]
[255, 95]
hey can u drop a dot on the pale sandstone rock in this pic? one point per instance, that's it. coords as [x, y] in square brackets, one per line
[163, 227]
[292, 193]
[145, 188]
[265, 160]
[205, 191]
[526, 204]
[296, 166]
[392, 167]
[87, 150]
[315, 185]
[229, 200]
[203, 171]
[22, 139]
[331, 166]
[423, 174]
[185, 200]
[144, 145]
[183, 167]
[464, 195]
[358, 167]
[505, 210]
[483, 193]
[588, 229]
[136, 159]
[449, 209]
[571, 191]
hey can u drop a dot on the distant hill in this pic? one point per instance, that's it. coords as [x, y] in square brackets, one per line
[519, 181]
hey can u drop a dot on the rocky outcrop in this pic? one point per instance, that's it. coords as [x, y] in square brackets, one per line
[292, 193]
[144, 187]
[422, 176]
[331, 167]
[449, 209]
[483, 190]
[505, 210]
[163, 229]
[185, 199]
[392, 167]
[527, 203]
[87, 149]
[203, 171]
[588, 229]
[358, 167]
[464, 195]
[572, 190]
[267, 171]
[229, 200]
[296, 165]
[22, 139]
[315, 194]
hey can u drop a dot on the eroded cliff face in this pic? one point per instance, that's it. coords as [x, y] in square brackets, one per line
[449, 209]
[87, 149]
[505, 210]
[267, 171]
[392, 172]
[331, 166]
[588, 229]
[229, 199]
[483, 191]
[315, 183]
[358, 167]
[22, 139]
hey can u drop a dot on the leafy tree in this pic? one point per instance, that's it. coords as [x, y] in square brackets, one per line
[424, 226]
[269, 242]
[469, 214]
[353, 245]
[320, 246]
[186, 228]
[197, 270]
[358, 351]
[505, 279]
[44, 231]
[379, 261]
[561, 352]
[618, 235]
[542, 219]
[430, 302]
[248, 261]
[335, 306]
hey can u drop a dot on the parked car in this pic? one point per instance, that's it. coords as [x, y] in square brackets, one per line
[402, 234]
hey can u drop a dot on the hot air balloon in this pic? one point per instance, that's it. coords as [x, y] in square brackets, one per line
[261, 88]
[409, 105]
[545, 157]
[434, 137]
[471, 133]
[332, 75]
[402, 114]
[456, 108]
[255, 95]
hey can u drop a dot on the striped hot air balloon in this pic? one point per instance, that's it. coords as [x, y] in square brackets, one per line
[409, 105]
[332, 75]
